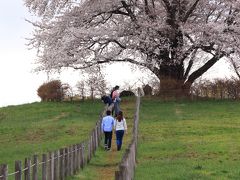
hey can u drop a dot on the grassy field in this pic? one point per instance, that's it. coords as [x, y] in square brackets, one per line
[177, 140]
[189, 140]
[105, 163]
[42, 127]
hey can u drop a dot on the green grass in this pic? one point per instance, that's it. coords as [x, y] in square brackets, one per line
[100, 166]
[177, 140]
[38, 128]
[189, 140]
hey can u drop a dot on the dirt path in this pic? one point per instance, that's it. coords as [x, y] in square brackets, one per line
[114, 157]
[107, 171]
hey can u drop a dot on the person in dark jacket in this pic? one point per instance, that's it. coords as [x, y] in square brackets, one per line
[116, 100]
[107, 100]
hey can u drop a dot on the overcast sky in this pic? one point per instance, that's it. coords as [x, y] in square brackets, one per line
[18, 83]
[15, 59]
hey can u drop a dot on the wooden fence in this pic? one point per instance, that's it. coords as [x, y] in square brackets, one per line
[128, 162]
[59, 164]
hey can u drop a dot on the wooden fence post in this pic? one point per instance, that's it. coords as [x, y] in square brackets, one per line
[93, 142]
[89, 150]
[4, 172]
[35, 168]
[66, 165]
[96, 136]
[123, 173]
[71, 160]
[61, 168]
[51, 166]
[81, 155]
[27, 169]
[84, 153]
[56, 165]
[44, 167]
[18, 169]
[99, 132]
[117, 175]
[78, 157]
[75, 169]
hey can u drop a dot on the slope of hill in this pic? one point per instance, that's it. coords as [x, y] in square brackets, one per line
[42, 127]
[189, 140]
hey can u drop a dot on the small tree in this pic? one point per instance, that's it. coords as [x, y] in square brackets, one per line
[51, 91]
[96, 83]
[82, 89]
[68, 91]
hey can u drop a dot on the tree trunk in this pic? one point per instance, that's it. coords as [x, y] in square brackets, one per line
[173, 88]
[172, 83]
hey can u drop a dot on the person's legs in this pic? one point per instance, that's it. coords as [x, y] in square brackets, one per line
[110, 107]
[117, 139]
[105, 140]
[109, 140]
[116, 109]
[117, 106]
[119, 136]
[121, 133]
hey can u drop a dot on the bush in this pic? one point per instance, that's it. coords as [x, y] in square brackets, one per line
[126, 93]
[147, 90]
[51, 91]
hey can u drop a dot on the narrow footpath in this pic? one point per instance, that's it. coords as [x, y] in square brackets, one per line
[104, 164]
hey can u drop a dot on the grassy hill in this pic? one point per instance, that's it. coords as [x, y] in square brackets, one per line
[41, 127]
[189, 140]
[177, 140]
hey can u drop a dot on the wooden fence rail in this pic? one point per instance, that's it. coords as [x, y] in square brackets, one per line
[59, 164]
[127, 165]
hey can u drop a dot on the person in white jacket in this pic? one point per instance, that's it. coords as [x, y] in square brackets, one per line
[120, 127]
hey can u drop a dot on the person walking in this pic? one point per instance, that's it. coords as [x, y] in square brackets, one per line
[116, 100]
[107, 127]
[120, 127]
[108, 101]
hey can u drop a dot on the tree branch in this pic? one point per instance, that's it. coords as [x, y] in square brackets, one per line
[189, 12]
[189, 64]
[117, 11]
[129, 11]
[235, 67]
[167, 5]
[196, 74]
[186, 53]
[108, 60]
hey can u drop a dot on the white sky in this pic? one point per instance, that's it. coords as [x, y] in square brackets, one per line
[18, 83]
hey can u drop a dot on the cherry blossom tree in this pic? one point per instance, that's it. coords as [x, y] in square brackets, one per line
[235, 65]
[177, 40]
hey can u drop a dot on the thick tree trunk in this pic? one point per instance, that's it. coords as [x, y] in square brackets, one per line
[172, 83]
[173, 88]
